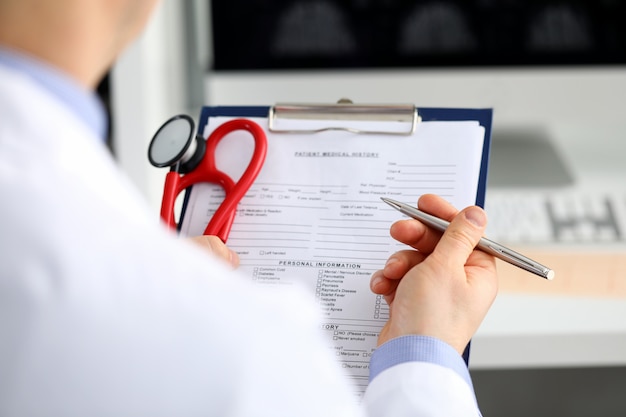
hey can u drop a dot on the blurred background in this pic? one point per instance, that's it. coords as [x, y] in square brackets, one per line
[555, 74]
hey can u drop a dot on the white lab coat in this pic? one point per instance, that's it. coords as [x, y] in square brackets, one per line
[104, 313]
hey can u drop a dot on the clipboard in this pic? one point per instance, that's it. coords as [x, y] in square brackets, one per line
[345, 108]
[332, 277]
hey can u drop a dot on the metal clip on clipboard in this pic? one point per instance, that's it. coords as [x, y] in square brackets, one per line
[345, 110]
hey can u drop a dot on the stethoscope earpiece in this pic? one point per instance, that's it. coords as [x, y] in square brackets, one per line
[175, 145]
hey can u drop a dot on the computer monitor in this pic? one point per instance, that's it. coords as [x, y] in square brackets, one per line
[541, 65]
[305, 34]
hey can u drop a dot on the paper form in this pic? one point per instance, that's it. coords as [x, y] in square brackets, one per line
[314, 216]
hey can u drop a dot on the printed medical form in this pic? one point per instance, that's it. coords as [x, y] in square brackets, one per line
[314, 216]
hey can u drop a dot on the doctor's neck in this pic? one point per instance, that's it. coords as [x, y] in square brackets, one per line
[81, 38]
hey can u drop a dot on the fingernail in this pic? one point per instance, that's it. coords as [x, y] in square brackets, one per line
[377, 278]
[476, 216]
[390, 261]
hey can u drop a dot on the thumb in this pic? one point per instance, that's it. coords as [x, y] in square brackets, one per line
[462, 236]
[214, 245]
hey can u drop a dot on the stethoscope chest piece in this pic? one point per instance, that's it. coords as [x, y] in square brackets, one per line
[175, 145]
[192, 161]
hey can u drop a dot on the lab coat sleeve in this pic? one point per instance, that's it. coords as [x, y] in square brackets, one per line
[419, 375]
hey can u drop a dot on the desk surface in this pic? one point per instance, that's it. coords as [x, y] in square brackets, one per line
[565, 325]
[539, 331]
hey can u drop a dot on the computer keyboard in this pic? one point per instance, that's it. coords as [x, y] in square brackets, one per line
[556, 217]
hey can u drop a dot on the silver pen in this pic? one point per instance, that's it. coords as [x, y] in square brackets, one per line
[485, 245]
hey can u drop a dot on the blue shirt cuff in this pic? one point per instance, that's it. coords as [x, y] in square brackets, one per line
[418, 349]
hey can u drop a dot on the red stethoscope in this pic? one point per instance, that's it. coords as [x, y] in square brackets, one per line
[192, 161]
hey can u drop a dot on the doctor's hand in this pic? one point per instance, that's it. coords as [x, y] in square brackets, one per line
[214, 245]
[444, 288]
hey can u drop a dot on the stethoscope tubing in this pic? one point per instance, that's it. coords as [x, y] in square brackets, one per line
[208, 172]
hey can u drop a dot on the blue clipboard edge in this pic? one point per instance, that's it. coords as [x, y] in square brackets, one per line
[483, 116]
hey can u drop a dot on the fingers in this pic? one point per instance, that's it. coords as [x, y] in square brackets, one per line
[455, 246]
[400, 262]
[215, 246]
[437, 206]
[379, 284]
[385, 281]
[417, 235]
[461, 237]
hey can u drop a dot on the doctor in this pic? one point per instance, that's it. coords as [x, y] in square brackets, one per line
[104, 312]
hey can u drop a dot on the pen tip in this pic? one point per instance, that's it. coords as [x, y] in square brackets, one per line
[550, 275]
[392, 203]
